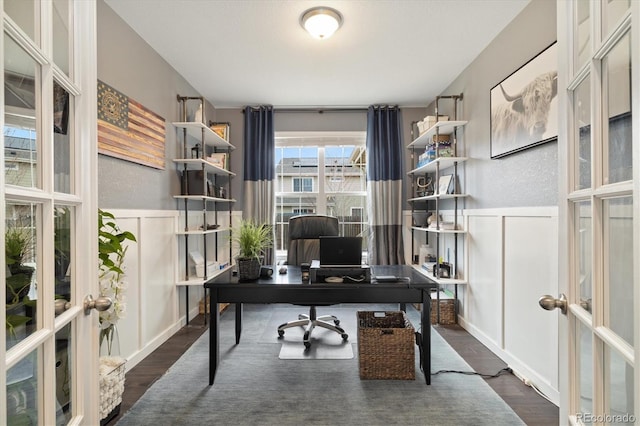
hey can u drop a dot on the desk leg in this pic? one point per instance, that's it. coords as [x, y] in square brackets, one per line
[214, 335]
[238, 322]
[205, 307]
[186, 303]
[425, 326]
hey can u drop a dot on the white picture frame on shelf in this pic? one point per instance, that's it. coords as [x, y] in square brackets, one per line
[444, 184]
[196, 257]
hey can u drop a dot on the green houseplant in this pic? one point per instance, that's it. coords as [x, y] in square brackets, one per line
[252, 239]
[18, 250]
[111, 252]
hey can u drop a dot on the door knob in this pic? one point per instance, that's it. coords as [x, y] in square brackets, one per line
[61, 305]
[100, 304]
[586, 304]
[549, 303]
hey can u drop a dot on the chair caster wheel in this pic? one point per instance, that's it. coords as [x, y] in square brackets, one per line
[336, 322]
[280, 333]
[307, 345]
[345, 336]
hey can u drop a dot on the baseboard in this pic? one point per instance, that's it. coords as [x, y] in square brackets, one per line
[520, 370]
[530, 378]
[154, 344]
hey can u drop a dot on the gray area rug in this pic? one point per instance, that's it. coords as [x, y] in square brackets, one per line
[254, 387]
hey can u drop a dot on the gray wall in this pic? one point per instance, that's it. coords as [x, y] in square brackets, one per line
[527, 178]
[128, 64]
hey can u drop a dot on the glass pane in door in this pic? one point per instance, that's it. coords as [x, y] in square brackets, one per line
[23, 13]
[20, 257]
[64, 371]
[62, 255]
[618, 249]
[620, 393]
[582, 134]
[22, 392]
[617, 89]
[583, 247]
[61, 31]
[582, 31]
[62, 127]
[584, 366]
[612, 11]
[21, 119]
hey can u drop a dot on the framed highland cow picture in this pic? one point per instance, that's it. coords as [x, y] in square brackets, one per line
[524, 106]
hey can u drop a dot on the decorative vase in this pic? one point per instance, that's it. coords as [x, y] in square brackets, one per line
[109, 341]
[248, 268]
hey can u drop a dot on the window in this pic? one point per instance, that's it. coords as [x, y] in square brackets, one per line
[302, 184]
[302, 211]
[320, 173]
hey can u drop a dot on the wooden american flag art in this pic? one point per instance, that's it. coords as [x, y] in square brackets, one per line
[129, 131]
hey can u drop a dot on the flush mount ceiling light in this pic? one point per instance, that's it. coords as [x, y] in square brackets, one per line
[321, 22]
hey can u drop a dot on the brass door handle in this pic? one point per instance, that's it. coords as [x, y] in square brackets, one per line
[550, 303]
[100, 304]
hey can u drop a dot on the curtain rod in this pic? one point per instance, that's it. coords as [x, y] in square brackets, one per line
[320, 110]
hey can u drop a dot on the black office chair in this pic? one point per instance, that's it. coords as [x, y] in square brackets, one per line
[304, 246]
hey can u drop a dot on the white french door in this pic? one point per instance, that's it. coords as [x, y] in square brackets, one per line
[49, 346]
[599, 150]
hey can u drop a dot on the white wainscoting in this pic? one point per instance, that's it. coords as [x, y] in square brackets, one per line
[155, 305]
[510, 260]
[153, 313]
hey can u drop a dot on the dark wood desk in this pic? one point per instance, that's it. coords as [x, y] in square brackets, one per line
[289, 288]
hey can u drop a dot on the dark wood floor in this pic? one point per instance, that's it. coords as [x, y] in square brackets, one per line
[524, 400]
[531, 407]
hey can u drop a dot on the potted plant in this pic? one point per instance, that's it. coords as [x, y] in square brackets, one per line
[18, 250]
[111, 253]
[252, 240]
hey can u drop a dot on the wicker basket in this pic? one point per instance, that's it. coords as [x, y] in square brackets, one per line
[447, 311]
[386, 346]
[248, 269]
[112, 374]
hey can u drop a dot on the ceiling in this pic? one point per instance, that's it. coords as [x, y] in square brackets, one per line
[250, 52]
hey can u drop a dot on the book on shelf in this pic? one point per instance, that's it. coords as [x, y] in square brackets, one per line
[218, 159]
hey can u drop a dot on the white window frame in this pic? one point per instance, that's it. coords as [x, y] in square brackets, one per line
[319, 192]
